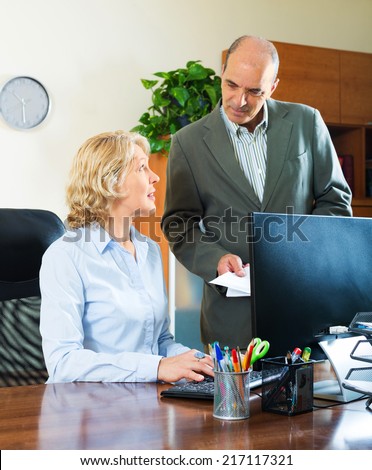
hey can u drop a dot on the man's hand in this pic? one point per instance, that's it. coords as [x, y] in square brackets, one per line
[230, 264]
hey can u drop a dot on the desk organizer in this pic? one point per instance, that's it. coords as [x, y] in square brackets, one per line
[287, 388]
[359, 379]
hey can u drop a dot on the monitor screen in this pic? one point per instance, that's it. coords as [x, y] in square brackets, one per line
[308, 273]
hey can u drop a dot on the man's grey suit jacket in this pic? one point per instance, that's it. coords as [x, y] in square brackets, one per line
[208, 200]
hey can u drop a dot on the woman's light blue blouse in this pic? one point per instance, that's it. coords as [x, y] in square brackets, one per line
[104, 313]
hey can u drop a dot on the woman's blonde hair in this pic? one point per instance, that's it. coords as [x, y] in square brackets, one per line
[99, 167]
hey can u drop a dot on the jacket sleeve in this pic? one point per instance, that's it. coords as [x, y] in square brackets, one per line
[332, 195]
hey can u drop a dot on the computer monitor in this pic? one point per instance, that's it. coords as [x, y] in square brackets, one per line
[308, 273]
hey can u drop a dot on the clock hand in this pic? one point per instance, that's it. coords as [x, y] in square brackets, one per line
[24, 111]
[23, 102]
[18, 98]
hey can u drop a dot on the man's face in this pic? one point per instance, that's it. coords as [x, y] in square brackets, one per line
[247, 81]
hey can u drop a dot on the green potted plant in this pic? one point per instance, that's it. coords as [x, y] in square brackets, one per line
[182, 96]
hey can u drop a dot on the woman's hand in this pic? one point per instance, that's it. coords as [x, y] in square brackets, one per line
[185, 366]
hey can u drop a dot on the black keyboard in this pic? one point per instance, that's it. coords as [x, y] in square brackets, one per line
[205, 390]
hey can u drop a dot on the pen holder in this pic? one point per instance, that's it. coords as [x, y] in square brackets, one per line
[287, 388]
[231, 395]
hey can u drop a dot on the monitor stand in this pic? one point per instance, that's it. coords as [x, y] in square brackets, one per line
[338, 353]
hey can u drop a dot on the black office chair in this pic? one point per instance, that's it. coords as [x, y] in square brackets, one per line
[25, 234]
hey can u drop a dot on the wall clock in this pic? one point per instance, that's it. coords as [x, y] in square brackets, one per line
[24, 102]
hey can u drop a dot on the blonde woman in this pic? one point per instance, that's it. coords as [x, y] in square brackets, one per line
[104, 306]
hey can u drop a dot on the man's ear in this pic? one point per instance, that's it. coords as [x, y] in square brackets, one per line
[275, 84]
[273, 87]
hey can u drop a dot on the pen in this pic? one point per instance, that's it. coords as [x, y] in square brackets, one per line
[288, 358]
[235, 360]
[249, 354]
[219, 358]
[227, 360]
[239, 359]
[212, 354]
[306, 354]
[296, 354]
[245, 358]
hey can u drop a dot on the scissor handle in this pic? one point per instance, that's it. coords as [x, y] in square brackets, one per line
[259, 351]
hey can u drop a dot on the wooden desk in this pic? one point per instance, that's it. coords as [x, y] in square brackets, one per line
[133, 416]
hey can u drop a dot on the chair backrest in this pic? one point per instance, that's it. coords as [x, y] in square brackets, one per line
[25, 234]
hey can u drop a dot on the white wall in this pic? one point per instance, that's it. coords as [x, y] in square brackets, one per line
[91, 54]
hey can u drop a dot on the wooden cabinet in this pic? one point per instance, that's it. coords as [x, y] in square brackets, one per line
[310, 75]
[356, 140]
[150, 226]
[356, 87]
[339, 84]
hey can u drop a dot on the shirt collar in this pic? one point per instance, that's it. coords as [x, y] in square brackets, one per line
[102, 239]
[99, 237]
[235, 128]
[90, 233]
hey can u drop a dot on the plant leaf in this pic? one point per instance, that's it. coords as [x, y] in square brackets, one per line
[157, 145]
[180, 94]
[197, 72]
[165, 75]
[159, 100]
[211, 92]
[149, 83]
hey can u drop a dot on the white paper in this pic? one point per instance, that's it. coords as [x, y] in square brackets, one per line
[236, 286]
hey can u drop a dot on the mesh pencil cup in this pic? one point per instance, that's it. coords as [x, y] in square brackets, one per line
[231, 395]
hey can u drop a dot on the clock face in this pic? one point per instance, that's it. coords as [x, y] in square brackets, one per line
[24, 102]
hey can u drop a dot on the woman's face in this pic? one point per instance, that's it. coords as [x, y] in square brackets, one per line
[137, 189]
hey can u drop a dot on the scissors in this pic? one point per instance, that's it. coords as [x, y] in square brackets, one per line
[256, 350]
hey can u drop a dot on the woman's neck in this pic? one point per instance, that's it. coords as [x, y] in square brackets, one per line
[119, 228]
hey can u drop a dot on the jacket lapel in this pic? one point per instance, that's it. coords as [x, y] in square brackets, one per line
[217, 140]
[278, 136]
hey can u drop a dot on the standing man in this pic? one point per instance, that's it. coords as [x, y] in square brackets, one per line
[250, 154]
